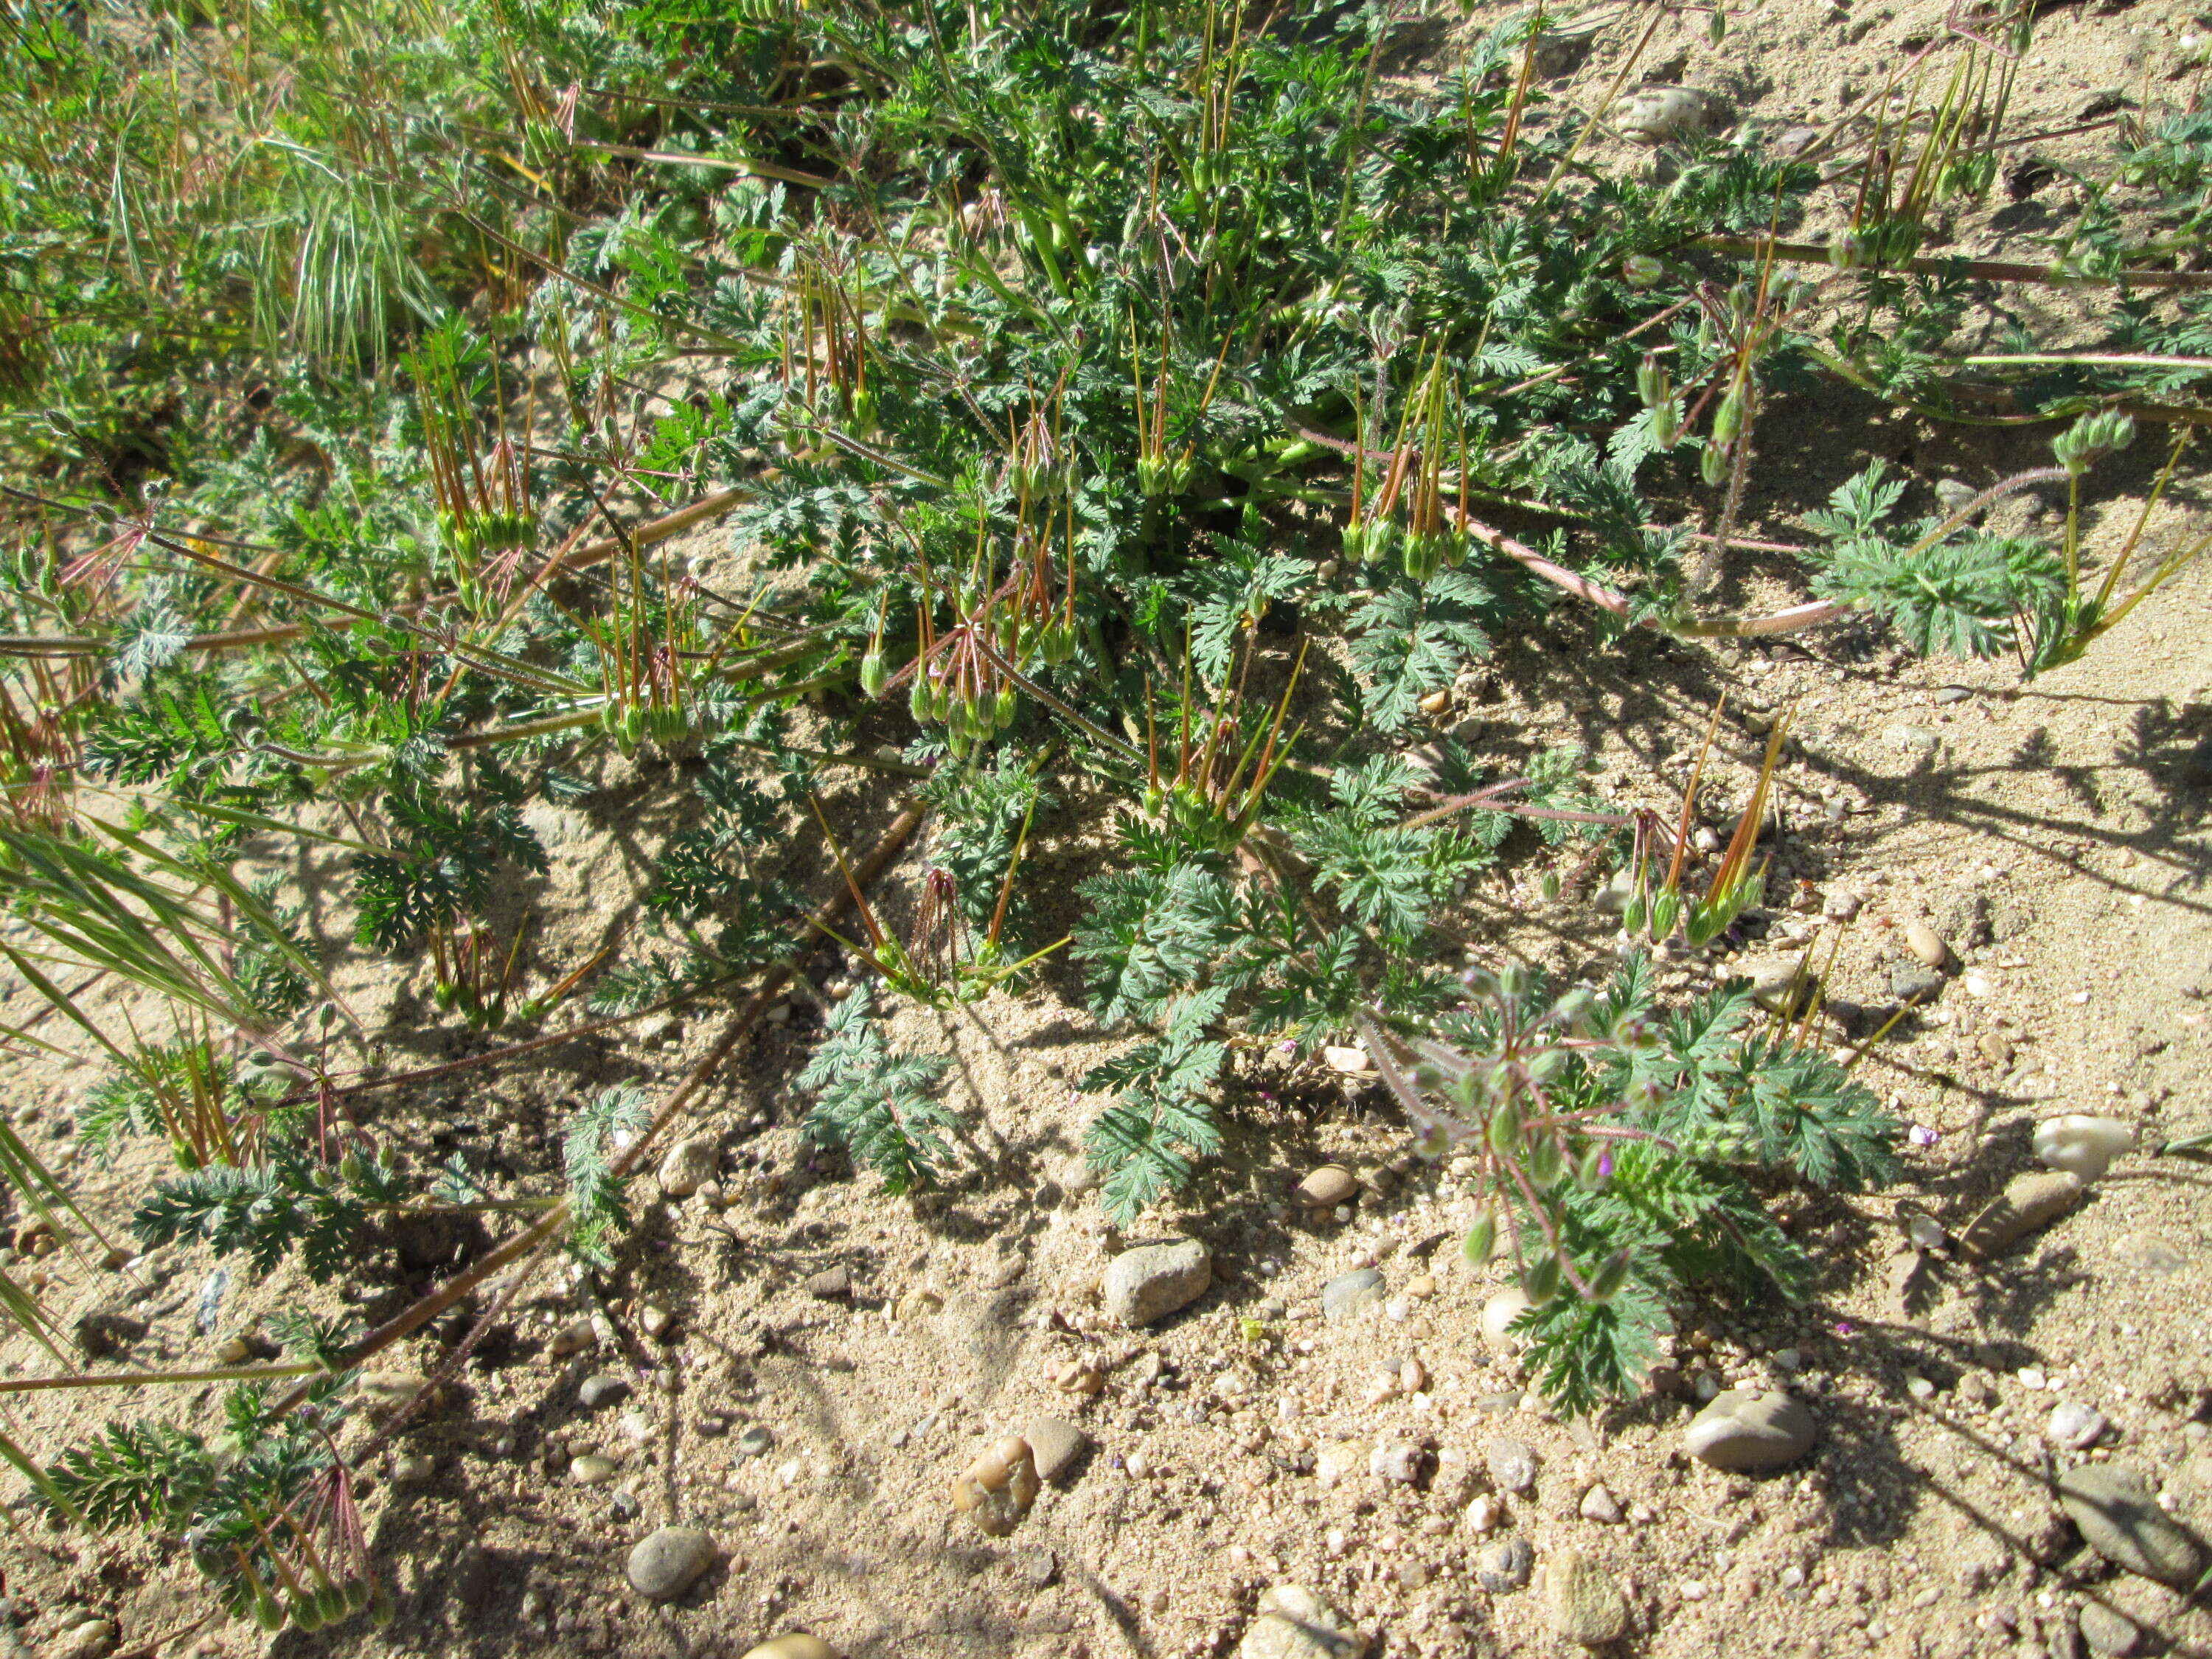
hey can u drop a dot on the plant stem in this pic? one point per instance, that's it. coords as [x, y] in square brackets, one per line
[1995, 270]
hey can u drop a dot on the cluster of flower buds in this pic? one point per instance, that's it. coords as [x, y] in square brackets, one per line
[2091, 437]
[1872, 244]
[1657, 392]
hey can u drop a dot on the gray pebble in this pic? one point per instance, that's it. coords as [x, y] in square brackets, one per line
[1038, 1566]
[1291, 1622]
[1512, 1465]
[665, 1564]
[603, 1389]
[755, 1440]
[1503, 1567]
[1917, 739]
[1402, 1462]
[2076, 1426]
[2109, 1632]
[2121, 1520]
[1149, 1283]
[689, 1166]
[1747, 1430]
[1362, 1288]
[1914, 982]
[830, 1284]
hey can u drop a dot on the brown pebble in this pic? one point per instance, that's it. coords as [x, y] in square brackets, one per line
[1330, 1185]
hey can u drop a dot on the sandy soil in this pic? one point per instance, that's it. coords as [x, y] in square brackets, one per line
[2054, 835]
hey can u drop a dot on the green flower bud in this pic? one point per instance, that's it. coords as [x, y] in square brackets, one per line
[1713, 465]
[874, 674]
[1481, 1238]
[1728, 419]
[1540, 1279]
[1006, 708]
[1546, 1161]
[1642, 270]
[1606, 1284]
[1504, 1129]
[1717, 26]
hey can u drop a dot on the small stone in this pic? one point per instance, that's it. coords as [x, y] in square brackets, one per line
[1925, 1231]
[86, 1640]
[1038, 1567]
[1586, 1606]
[797, 1645]
[603, 1389]
[1402, 1462]
[1954, 496]
[1362, 1288]
[591, 1469]
[1917, 738]
[666, 1563]
[1996, 1048]
[919, 1304]
[1512, 1465]
[1056, 1445]
[654, 1321]
[755, 1441]
[1780, 984]
[1483, 1513]
[2028, 1203]
[234, 1351]
[1293, 1623]
[2076, 1426]
[1793, 141]
[1351, 1062]
[413, 1470]
[1657, 115]
[1503, 1567]
[1498, 1314]
[1148, 1284]
[996, 1491]
[1925, 943]
[830, 1285]
[689, 1166]
[577, 1336]
[1841, 904]
[1328, 1187]
[1079, 1377]
[2108, 1630]
[381, 1392]
[2123, 1523]
[1334, 1462]
[1613, 898]
[1914, 982]
[1744, 1429]
[1601, 1506]
[2081, 1145]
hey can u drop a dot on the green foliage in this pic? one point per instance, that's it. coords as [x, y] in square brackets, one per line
[873, 1103]
[596, 1206]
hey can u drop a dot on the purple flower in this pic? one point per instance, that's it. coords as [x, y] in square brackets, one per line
[1845, 1328]
[1921, 1135]
[1605, 1164]
[1286, 1047]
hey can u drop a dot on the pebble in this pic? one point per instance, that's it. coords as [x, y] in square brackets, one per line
[1914, 982]
[1498, 1314]
[830, 1285]
[1483, 1513]
[604, 1389]
[1038, 1567]
[1745, 1430]
[1925, 1231]
[591, 1469]
[796, 1645]
[1082, 1376]
[2028, 1203]
[1586, 1606]
[1793, 141]
[1056, 1445]
[577, 1336]
[1291, 1622]
[1512, 1465]
[2114, 1507]
[654, 1319]
[1996, 1048]
[919, 1304]
[665, 1563]
[1917, 738]
[1402, 1462]
[1361, 1288]
[1503, 1567]
[413, 1470]
[2076, 1426]
[383, 1392]
[755, 1441]
[1328, 1187]
[689, 1166]
[86, 1640]
[2080, 1145]
[1148, 1284]
[996, 1491]
[1841, 904]
[1352, 1062]
[1927, 944]
[1776, 983]
[2108, 1630]
[1601, 1506]
[1656, 114]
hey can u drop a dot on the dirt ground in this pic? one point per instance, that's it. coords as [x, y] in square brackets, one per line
[2054, 836]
